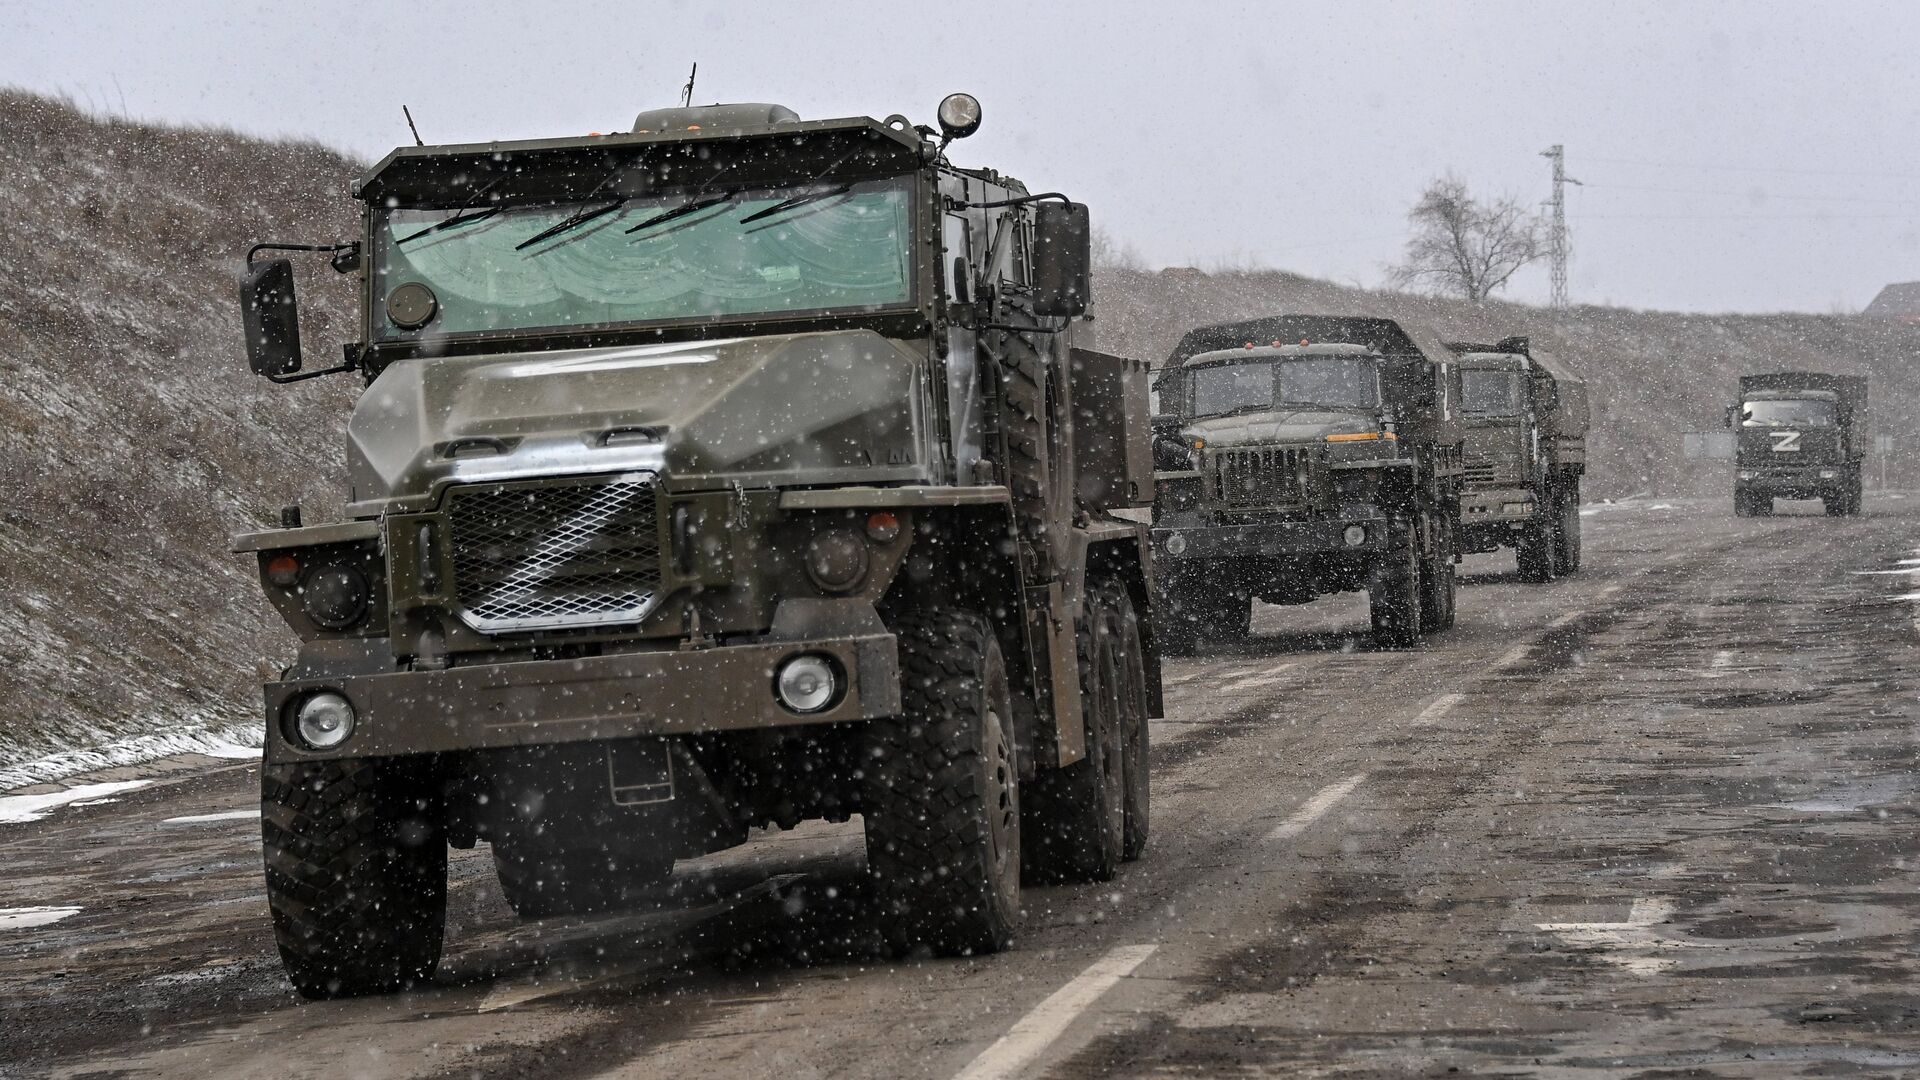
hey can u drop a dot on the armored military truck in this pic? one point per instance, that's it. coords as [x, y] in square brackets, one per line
[1526, 448]
[1798, 435]
[736, 470]
[1304, 455]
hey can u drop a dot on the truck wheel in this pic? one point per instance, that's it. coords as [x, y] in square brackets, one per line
[1566, 554]
[541, 881]
[356, 874]
[1074, 817]
[1856, 497]
[1742, 504]
[1393, 591]
[1834, 505]
[1439, 583]
[941, 793]
[1534, 552]
[1133, 719]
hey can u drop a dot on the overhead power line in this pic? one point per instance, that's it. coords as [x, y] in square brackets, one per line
[1752, 168]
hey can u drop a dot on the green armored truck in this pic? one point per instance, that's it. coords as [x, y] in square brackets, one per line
[1303, 455]
[736, 470]
[1526, 448]
[1799, 435]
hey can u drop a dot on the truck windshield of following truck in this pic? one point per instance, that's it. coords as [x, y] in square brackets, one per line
[668, 256]
[1327, 382]
[1797, 412]
[1486, 392]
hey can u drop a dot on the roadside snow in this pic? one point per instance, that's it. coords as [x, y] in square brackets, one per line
[19, 918]
[19, 809]
[232, 744]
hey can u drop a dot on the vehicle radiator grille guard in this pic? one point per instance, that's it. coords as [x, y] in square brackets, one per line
[533, 557]
[1262, 479]
[1486, 469]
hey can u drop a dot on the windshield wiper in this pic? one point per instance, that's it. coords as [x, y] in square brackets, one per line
[461, 216]
[684, 209]
[578, 217]
[795, 202]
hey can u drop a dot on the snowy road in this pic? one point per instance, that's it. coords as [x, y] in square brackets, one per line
[1658, 819]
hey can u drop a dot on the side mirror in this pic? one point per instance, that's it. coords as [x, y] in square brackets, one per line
[1062, 259]
[271, 318]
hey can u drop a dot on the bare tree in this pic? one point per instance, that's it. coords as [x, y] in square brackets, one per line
[1466, 247]
[1112, 254]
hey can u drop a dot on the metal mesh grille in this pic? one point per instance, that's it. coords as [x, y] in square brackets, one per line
[1256, 479]
[529, 557]
[1484, 469]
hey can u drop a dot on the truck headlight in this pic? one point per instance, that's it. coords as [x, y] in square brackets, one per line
[1826, 474]
[806, 684]
[1744, 475]
[1176, 544]
[837, 560]
[324, 720]
[1355, 535]
[335, 597]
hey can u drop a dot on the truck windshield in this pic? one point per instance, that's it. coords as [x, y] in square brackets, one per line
[1800, 412]
[1490, 393]
[679, 255]
[1338, 382]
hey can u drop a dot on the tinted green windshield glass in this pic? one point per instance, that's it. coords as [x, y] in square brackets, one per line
[1772, 412]
[840, 247]
[1343, 382]
[1490, 393]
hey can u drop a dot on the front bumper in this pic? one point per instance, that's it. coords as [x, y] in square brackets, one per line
[1803, 482]
[1277, 539]
[1497, 505]
[536, 702]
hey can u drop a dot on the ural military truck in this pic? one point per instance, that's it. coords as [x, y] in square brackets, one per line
[1526, 449]
[1798, 435]
[1317, 454]
[732, 471]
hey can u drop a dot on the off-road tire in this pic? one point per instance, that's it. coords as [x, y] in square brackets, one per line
[1534, 554]
[1742, 503]
[1438, 582]
[1566, 542]
[541, 881]
[1393, 589]
[1133, 719]
[940, 793]
[1074, 818]
[1039, 462]
[1834, 505]
[356, 874]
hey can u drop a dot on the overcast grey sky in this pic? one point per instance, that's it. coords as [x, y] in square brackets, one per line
[1753, 156]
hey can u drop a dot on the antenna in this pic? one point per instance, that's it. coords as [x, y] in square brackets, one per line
[686, 92]
[1558, 248]
[416, 131]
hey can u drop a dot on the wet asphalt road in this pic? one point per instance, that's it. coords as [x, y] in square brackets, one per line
[1655, 820]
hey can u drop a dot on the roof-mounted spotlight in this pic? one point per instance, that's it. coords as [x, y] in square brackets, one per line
[959, 116]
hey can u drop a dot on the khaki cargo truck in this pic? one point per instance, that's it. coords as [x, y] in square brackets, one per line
[1526, 449]
[1302, 455]
[1799, 435]
[729, 472]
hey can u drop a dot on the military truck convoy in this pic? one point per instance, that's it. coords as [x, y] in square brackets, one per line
[732, 471]
[1798, 435]
[1525, 415]
[1304, 455]
[740, 469]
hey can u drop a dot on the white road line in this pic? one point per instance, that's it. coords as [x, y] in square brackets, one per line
[225, 815]
[20, 918]
[1611, 590]
[1634, 944]
[1567, 618]
[1514, 655]
[1037, 1030]
[1439, 707]
[1265, 678]
[1313, 809]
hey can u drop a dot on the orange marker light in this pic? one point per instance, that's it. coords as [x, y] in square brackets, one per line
[883, 526]
[283, 570]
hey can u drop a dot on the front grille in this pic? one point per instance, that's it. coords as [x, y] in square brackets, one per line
[532, 557]
[1258, 479]
[1483, 469]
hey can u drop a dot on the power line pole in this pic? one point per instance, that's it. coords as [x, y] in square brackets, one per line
[1558, 249]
